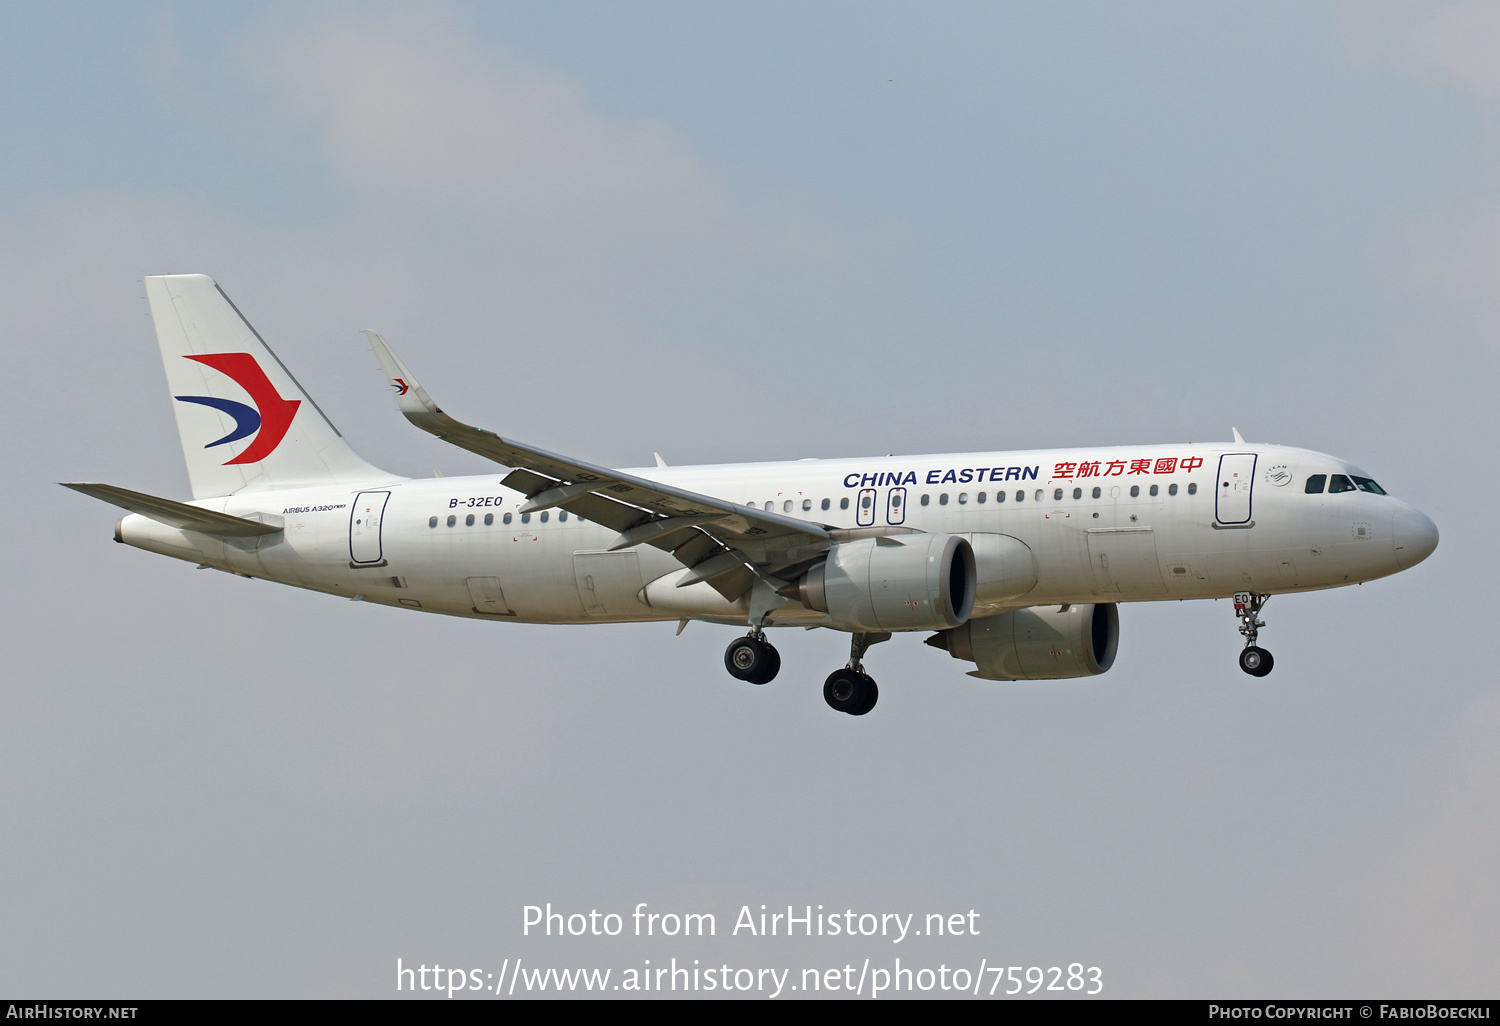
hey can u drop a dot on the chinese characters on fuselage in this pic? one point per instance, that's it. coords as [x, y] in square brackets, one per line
[1066, 470]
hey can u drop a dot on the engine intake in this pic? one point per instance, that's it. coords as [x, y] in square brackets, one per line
[1038, 643]
[908, 582]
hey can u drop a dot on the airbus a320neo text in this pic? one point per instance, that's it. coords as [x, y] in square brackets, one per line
[1013, 562]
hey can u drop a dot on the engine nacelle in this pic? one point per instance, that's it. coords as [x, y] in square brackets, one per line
[906, 582]
[1039, 643]
[1006, 570]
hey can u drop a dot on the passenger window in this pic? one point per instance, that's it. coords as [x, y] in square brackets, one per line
[1171, 489]
[866, 501]
[1339, 483]
[999, 496]
[469, 520]
[770, 506]
[1192, 487]
[943, 499]
[963, 498]
[562, 517]
[506, 518]
[786, 507]
[896, 501]
[525, 518]
[545, 516]
[452, 520]
[1077, 493]
[1153, 489]
[844, 502]
[432, 521]
[825, 503]
[1366, 485]
[1135, 491]
[1020, 495]
[1315, 484]
[1098, 491]
[926, 499]
[1039, 494]
[806, 505]
[981, 498]
[489, 518]
[1057, 495]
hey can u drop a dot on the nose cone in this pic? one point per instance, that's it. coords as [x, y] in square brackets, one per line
[1415, 536]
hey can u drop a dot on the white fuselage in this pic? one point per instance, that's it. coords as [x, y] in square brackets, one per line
[1237, 519]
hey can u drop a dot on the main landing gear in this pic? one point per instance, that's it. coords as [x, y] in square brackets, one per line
[848, 690]
[752, 658]
[1254, 660]
[851, 690]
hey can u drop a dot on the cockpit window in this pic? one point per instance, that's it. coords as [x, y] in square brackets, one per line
[1366, 485]
[1315, 484]
[1339, 483]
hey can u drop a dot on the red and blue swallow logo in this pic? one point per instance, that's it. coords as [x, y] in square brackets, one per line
[271, 416]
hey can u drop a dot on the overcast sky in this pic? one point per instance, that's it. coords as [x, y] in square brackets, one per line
[750, 232]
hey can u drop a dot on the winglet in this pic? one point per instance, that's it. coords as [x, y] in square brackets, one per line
[1237, 439]
[411, 397]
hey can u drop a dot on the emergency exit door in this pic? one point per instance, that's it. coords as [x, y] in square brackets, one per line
[1236, 479]
[364, 529]
[895, 506]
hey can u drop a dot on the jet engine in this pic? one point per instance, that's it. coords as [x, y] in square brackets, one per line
[1007, 570]
[1037, 643]
[907, 582]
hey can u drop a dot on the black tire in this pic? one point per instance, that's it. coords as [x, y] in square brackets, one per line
[773, 666]
[1257, 662]
[848, 691]
[750, 659]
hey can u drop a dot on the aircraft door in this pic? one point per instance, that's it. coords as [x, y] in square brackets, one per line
[488, 596]
[895, 506]
[865, 514]
[1236, 479]
[608, 582]
[1124, 561]
[364, 529]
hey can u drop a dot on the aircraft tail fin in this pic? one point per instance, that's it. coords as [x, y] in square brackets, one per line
[245, 422]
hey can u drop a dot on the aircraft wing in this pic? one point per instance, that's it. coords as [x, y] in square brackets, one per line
[722, 542]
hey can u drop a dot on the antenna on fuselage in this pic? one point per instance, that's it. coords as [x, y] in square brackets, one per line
[1237, 439]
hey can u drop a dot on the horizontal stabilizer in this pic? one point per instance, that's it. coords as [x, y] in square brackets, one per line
[179, 514]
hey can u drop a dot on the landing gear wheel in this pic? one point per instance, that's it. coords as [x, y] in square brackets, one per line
[1257, 662]
[850, 691]
[771, 670]
[1254, 660]
[751, 659]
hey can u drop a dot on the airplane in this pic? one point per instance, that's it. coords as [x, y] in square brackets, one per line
[1015, 562]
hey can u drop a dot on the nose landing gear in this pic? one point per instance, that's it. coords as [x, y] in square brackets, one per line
[1254, 660]
[851, 690]
[752, 658]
